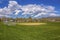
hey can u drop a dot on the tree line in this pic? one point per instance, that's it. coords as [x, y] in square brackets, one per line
[30, 19]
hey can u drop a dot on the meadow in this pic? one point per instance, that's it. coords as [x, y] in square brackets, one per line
[50, 31]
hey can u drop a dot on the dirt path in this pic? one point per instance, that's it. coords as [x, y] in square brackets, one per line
[31, 23]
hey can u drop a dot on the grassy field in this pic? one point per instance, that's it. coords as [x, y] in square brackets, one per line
[50, 31]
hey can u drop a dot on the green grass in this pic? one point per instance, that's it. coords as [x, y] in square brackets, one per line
[51, 31]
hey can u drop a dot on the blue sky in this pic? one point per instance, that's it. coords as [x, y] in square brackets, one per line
[55, 3]
[25, 4]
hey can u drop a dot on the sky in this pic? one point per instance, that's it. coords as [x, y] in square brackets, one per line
[29, 8]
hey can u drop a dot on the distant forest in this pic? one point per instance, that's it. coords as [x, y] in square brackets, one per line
[30, 19]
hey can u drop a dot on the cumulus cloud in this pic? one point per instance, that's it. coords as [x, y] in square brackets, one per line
[12, 7]
[1, 15]
[53, 14]
[30, 9]
[17, 11]
[40, 14]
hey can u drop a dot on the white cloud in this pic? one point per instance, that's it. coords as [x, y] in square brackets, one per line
[30, 9]
[12, 6]
[17, 11]
[53, 14]
[1, 10]
[40, 14]
[1, 15]
[37, 9]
